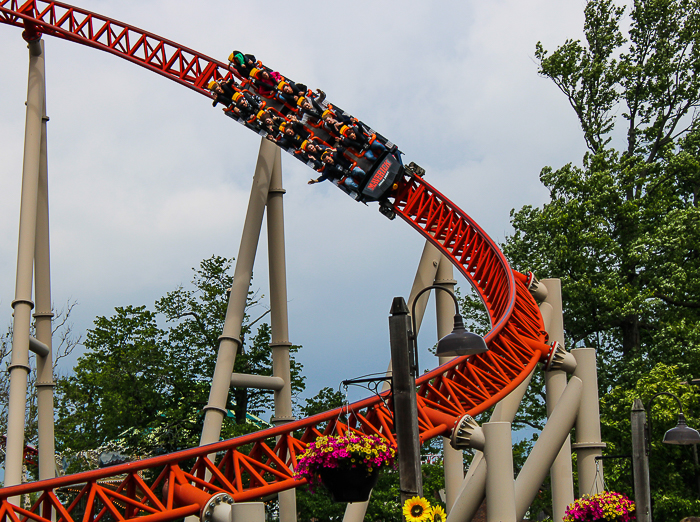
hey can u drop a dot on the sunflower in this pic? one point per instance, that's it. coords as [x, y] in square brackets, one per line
[438, 514]
[416, 509]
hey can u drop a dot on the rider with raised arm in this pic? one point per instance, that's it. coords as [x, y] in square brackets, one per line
[338, 167]
[268, 122]
[223, 90]
[309, 154]
[310, 108]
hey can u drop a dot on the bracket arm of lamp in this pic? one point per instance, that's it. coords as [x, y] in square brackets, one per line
[457, 343]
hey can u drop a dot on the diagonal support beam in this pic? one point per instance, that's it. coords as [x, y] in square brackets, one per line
[229, 341]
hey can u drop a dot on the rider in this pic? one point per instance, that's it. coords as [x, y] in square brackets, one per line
[310, 107]
[339, 168]
[289, 92]
[334, 119]
[242, 63]
[223, 90]
[354, 137]
[289, 138]
[246, 105]
[309, 155]
[265, 81]
[269, 123]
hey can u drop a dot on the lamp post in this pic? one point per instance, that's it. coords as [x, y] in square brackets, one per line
[641, 441]
[404, 357]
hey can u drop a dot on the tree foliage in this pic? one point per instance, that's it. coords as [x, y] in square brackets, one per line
[675, 483]
[143, 386]
[621, 229]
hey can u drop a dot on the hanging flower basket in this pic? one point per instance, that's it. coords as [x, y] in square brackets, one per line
[607, 506]
[349, 485]
[347, 466]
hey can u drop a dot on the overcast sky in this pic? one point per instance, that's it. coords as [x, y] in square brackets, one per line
[147, 179]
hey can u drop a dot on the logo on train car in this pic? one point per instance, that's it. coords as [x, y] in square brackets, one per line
[382, 178]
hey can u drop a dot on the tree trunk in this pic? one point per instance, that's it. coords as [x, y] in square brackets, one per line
[241, 408]
[631, 337]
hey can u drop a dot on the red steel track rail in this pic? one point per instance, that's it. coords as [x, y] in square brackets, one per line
[262, 463]
[165, 57]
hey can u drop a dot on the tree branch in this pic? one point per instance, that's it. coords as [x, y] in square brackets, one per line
[263, 315]
[528, 423]
[201, 325]
[675, 302]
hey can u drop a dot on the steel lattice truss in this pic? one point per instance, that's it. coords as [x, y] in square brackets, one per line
[162, 56]
[170, 487]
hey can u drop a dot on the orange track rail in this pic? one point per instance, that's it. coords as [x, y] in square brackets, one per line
[263, 463]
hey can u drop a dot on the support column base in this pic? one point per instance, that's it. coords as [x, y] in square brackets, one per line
[277, 421]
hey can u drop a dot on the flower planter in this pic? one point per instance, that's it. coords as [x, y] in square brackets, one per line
[607, 506]
[341, 462]
[349, 485]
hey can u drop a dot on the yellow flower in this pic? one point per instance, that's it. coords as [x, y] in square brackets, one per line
[417, 509]
[438, 514]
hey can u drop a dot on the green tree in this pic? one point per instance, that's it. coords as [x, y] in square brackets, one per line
[675, 483]
[140, 387]
[621, 230]
[120, 382]
[197, 317]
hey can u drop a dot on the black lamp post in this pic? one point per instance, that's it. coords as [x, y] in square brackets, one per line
[641, 437]
[404, 364]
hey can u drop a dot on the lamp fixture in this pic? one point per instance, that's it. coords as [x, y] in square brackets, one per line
[458, 343]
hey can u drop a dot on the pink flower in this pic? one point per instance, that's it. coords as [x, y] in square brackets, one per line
[367, 451]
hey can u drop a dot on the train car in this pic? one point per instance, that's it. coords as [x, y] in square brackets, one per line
[302, 123]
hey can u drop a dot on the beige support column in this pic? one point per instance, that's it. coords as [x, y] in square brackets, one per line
[473, 490]
[215, 410]
[248, 512]
[500, 491]
[279, 318]
[547, 447]
[22, 304]
[278, 294]
[453, 460]
[355, 512]
[555, 383]
[42, 320]
[425, 275]
[588, 441]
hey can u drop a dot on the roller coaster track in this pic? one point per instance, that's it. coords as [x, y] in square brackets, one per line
[262, 463]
